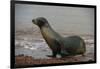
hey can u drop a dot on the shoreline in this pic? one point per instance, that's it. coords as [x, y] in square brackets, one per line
[32, 50]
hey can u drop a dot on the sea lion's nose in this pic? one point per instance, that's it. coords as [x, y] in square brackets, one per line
[33, 20]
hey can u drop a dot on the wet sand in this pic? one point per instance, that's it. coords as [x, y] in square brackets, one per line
[26, 61]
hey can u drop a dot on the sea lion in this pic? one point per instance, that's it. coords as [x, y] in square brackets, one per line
[64, 46]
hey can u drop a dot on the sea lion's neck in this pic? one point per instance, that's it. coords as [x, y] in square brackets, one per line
[48, 32]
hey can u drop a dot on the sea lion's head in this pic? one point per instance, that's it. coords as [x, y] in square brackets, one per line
[40, 21]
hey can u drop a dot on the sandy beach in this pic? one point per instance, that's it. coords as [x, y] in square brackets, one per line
[32, 50]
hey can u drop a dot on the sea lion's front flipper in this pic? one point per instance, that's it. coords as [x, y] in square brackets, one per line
[61, 50]
[52, 56]
[56, 49]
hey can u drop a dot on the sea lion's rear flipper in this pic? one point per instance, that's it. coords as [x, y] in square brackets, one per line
[64, 53]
